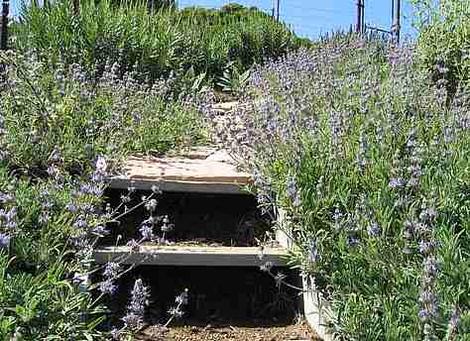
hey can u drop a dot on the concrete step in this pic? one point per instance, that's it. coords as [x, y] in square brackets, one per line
[193, 255]
[212, 171]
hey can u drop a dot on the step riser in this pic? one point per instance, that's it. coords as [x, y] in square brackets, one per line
[210, 257]
[178, 186]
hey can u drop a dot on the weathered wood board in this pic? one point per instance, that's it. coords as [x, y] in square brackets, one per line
[204, 172]
[192, 255]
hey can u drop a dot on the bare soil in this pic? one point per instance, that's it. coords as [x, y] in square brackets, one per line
[298, 331]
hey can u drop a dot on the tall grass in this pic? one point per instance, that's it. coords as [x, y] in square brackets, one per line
[152, 43]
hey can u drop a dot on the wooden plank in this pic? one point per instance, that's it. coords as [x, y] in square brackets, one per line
[214, 174]
[177, 186]
[317, 310]
[192, 255]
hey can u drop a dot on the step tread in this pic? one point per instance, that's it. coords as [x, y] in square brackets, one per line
[214, 173]
[193, 255]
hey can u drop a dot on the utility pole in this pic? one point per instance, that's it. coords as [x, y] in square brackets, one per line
[277, 9]
[4, 28]
[360, 21]
[396, 26]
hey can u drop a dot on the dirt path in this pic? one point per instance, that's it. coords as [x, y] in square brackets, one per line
[299, 331]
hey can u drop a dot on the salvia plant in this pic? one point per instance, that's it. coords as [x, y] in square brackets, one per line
[367, 156]
[62, 135]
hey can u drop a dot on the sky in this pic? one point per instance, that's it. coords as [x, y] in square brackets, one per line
[312, 18]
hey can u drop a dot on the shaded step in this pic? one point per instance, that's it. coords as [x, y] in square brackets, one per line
[236, 296]
[210, 219]
[216, 173]
[193, 256]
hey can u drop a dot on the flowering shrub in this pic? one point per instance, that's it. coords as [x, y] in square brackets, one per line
[369, 162]
[61, 135]
[46, 107]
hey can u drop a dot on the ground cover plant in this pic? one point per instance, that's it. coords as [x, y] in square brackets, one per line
[368, 157]
[185, 43]
[61, 135]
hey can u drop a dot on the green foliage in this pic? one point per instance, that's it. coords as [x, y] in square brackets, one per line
[54, 123]
[36, 299]
[444, 39]
[152, 43]
[233, 81]
[44, 305]
[356, 144]
[47, 109]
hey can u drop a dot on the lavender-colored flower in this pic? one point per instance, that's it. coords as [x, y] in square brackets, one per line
[429, 307]
[453, 322]
[136, 308]
[293, 191]
[374, 230]
[361, 154]
[10, 218]
[71, 207]
[111, 270]
[80, 223]
[115, 333]
[146, 231]
[133, 245]
[352, 241]
[132, 320]
[396, 183]
[430, 266]
[428, 215]
[337, 215]
[82, 280]
[4, 241]
[101, 165]
[5, 198]
[53, 171]
[44, 217]
[90, 189]
[100, 171]
[55, 156]
[100, 230]
[266, 267]
[151, 205]
[108, 287]
[426, 247]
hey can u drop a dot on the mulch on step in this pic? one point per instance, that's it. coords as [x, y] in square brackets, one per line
[298, 331]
